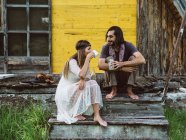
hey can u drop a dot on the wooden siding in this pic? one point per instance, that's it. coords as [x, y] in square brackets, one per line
[75, 20]
[158, 26]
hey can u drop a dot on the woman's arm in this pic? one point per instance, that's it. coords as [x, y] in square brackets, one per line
[85, 67]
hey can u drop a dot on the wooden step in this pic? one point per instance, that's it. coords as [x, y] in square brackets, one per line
[125, 121]
[145, 103]
[119, 127]
[143, 98]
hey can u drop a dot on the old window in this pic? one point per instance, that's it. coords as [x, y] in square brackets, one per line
[26, 36]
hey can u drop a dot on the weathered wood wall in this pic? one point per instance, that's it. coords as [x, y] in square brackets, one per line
[157, 29]
[75, 20]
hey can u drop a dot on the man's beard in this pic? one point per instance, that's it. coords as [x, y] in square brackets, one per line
[112, 43]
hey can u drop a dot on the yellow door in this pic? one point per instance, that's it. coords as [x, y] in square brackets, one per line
[73, 20]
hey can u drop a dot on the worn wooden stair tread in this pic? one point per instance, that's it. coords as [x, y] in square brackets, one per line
[155, 120]
[143, 98]
[118, 128]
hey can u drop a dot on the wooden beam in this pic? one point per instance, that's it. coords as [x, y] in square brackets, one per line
[50, 35]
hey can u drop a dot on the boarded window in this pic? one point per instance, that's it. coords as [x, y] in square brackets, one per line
[17, 45]
[39, 45]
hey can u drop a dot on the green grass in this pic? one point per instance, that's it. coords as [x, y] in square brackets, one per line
[23, 122]
[177, 123]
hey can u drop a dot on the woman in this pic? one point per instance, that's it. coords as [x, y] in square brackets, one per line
[76, 94]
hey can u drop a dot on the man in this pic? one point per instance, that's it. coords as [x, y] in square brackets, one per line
[126, 59]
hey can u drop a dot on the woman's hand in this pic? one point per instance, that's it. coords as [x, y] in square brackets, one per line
[81, 84]
[90, 55]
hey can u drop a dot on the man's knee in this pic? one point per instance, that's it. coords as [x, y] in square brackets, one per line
[131, 58]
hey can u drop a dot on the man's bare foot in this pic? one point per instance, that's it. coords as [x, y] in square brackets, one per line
[100, 121]
[133, 96]
[111, 95]
[80, 118]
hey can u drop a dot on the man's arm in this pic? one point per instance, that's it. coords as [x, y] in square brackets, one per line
[102, 65]
[137, 60]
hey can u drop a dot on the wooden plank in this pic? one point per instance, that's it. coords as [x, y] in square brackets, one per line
[143, 99]
[184, 52]
[174, 54]
[161, 24]
[28, 60]
[28, 28]
[50, 35]
[155, 122]
[157, 36]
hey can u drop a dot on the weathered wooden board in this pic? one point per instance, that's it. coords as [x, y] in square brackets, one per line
[117, 129]
[158, 26]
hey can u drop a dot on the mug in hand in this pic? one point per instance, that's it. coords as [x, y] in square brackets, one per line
[95, 53]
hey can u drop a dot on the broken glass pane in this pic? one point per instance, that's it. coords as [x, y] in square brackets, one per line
[1, 45]
[38, 19]
[39, 2]
[16, 1]
[17, 19]
[39, 45]
[17, 45]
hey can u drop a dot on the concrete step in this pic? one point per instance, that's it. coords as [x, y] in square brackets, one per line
[119, 127]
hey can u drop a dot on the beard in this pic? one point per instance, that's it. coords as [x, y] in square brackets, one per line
[111, 43]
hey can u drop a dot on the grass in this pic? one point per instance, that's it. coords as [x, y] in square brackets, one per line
[177, 123]
[20, 122]
[28, 121]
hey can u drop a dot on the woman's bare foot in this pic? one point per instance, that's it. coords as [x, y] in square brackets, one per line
[80, 118]
[100, 121]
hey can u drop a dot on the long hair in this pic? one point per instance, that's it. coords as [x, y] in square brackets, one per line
[118, 33]
[79, 56]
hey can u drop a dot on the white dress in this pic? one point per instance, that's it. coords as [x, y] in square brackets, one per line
[70, 100]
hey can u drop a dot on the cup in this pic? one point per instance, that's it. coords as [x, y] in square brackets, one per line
[95, 53]
[110, 64]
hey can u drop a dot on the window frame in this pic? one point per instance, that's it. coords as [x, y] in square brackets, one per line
[16, 64]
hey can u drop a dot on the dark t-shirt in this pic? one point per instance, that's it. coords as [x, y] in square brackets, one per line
[129, 51]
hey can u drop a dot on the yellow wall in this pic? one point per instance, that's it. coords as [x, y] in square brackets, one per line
[73, 20]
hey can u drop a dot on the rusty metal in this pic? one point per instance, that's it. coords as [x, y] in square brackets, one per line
[178, 40]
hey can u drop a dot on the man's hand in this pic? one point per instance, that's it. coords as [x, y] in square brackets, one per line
[116, 65]
[81, 84]
[128, 69]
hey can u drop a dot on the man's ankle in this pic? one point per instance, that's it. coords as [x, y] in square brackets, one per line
[114, 88]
